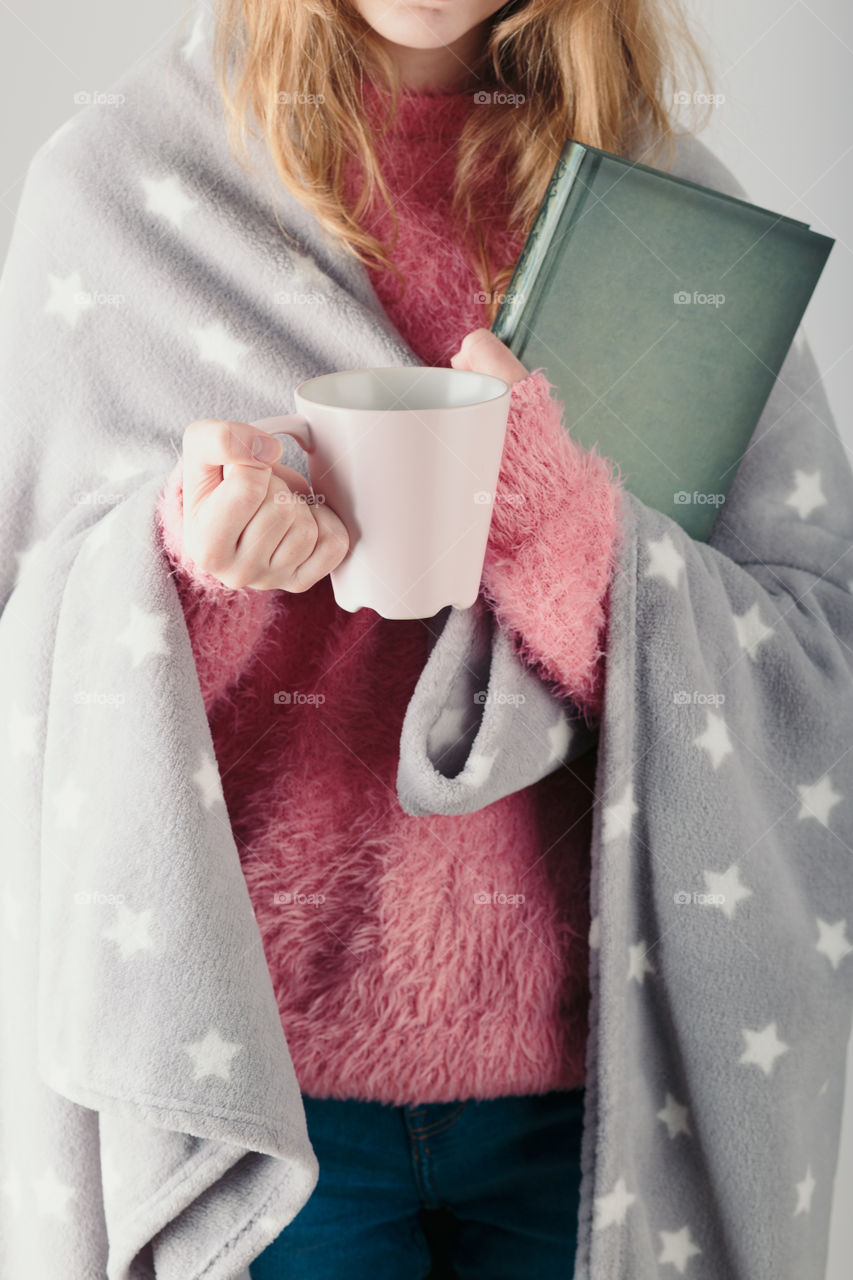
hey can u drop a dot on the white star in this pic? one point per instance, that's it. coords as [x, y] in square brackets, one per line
[195, 38]
[215, 344]
[805, 1190]
[674, 1116]
[22, 732]
[806, 494]
[29, 557]
[120, 467]
[763, 1047]
[715, 739]
[729, 886]
[750, 630]
[477, 769]
[678, 1248]
[130, 931]
[68, 800]
[143, 634]
[818, 799]
[212, 1055]
[617, 817]
[12, 1190]
[52, 1195]
[68, 298]
[559, 737]
[833, 942]
[208, 780]
[11, 911]
[639, 963]
[446, 731]
[613, 1207]
[167, 197]
[664, 560]
[595, 932]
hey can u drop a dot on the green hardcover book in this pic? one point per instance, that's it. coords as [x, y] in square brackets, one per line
[661, 311]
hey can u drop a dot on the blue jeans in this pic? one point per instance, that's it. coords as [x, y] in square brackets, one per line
[494, 1183]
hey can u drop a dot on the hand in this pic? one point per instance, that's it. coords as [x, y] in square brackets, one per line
[482, 352]
[246, 521]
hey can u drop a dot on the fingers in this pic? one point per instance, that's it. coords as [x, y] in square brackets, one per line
[216, 510]
[248, 522]
[329, 549]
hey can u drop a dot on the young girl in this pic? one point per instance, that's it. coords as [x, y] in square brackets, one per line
[440, 1049]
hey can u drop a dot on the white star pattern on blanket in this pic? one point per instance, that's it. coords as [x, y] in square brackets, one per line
[805, 1190]
[818, 799]
[130, 931]
[212, 1055]
[613, 1207]
[833, 941]
[678, 1248]
[639, 963]
[143, 634]
[166, 196]
[208, 780]
[674, 1116]
[216, 345]
[121, 466]
[751, 631]
[763, 1047]
[68, 298]
[617, 817]
[715, 739]
[665, 561]
[728, 886]
[807, 494]
[559, 737]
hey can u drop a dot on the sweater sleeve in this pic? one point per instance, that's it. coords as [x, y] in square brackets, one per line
[226, 625]
[553, 545]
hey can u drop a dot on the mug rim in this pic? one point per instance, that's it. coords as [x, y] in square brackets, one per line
[333, 373]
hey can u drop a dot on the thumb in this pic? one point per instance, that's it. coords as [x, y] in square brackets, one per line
[212, 444]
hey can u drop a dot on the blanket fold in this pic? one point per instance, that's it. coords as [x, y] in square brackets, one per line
[150, 1119]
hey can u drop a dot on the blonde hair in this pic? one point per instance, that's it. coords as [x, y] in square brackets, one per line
[593, 70]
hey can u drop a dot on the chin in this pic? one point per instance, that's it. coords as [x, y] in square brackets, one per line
[422, 28]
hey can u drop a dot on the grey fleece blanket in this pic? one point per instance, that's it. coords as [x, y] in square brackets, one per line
[150, 1118]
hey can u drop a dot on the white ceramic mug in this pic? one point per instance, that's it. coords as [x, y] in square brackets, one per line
[408, 457]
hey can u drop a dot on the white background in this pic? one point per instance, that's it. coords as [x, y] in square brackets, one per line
[785, 71]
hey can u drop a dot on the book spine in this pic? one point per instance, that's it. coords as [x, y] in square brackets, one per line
[507, 323]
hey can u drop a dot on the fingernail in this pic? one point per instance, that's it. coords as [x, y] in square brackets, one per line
[265, 449]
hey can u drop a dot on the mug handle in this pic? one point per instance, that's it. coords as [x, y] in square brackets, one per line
[288, 424]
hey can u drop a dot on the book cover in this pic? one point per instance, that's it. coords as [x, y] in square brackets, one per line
[661, 310]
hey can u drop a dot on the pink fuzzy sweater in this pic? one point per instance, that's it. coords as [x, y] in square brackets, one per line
[397, 985]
